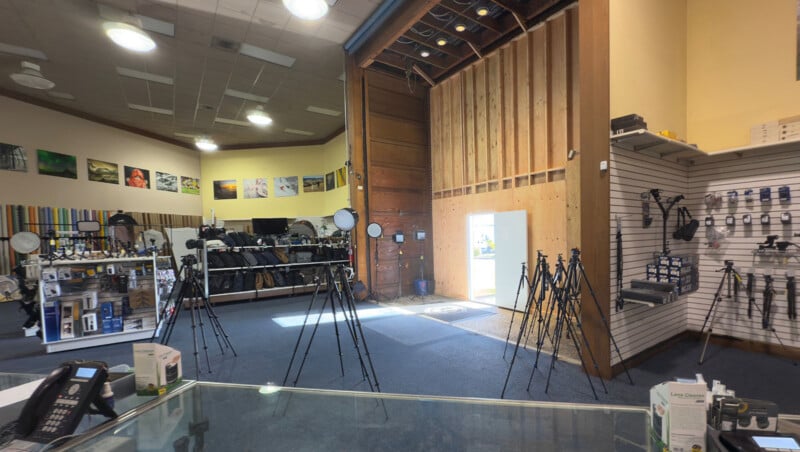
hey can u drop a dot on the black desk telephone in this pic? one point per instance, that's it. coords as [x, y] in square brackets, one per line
[57, 406]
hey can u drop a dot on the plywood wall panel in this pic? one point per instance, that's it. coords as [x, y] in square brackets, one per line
[559, 92]
[540, 82]
[469, 122]
[457, 130]
[481, 124]
[523, 106]
[448, 151]
[509, 110]
[437, 156]
[495, 123]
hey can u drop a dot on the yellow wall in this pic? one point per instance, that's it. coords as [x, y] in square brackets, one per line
[270, 163]
[39, 128]
[741, 68]
[648, 61]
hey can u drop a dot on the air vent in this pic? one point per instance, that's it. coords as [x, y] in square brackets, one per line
[225, 44]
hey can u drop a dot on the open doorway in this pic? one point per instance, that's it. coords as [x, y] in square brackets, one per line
[498, 245]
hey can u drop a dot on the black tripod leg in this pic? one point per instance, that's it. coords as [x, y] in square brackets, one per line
[302, 329]
[336, 328]
[583, 362]
[357, 328]
[522, 280]
[310, 341]
[522, 328]
[711, 309]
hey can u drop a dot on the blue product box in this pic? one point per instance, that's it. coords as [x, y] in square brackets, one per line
[116, 324]
[108, 326]
[107, 310]
[52, 321]
[664, 260]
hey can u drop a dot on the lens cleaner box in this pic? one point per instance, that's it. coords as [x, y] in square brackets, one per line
[157, 367]
[678, 417]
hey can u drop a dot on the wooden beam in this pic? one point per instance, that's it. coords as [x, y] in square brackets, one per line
[394, 60]
[392, 29]
[513, 8]
[422, 74]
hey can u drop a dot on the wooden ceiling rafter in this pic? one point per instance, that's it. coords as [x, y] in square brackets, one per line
[413, 53]
[451, 50]
[462, 11]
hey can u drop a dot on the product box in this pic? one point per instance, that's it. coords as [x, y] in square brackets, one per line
[157, 367]
[116, 324]
[678, 417]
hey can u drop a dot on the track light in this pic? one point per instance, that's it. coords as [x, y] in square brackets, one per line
[129, 36]
[482, 11]
[460, 27]
[258, 117]
[206, 144]
[441, 41]
[424, 53]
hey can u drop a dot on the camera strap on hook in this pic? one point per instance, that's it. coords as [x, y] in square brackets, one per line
[769, 294]
[791, 294]
[751, 299]
[670, 202]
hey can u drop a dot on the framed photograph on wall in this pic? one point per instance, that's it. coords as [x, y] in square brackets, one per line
[330, 181]
[166, 182]
[285, 186]
[255, 188]
[55, 164]
[13, 158]
[341, 177]
[190, 185]
[100, 171]
[313, 183]
[137, 177]
[225, 189]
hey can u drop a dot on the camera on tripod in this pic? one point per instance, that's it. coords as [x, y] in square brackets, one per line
[189, 259]
[194, 244]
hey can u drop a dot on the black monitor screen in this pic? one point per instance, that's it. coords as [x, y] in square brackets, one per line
[264, 226]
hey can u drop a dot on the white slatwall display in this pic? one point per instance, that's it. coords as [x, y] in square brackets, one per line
[637, 327]
[738, 172]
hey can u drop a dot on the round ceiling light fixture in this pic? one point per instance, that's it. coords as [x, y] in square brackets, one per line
[129, 37]
[441, 42]
[424, 53]
[460, 27]
[345, 219]
[30, 77]
[482, 11]
[206, 144]
[307, 9]
[258, 117]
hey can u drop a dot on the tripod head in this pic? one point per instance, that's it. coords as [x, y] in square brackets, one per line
[189, 260]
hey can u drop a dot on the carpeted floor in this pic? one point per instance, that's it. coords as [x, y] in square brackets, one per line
[412, 353]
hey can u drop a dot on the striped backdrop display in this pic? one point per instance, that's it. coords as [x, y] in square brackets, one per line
[61, 220]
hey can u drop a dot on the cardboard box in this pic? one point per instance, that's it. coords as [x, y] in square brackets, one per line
[678, 417]
[157, 367]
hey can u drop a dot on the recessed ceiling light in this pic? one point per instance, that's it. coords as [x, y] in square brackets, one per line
[460, 27]
[307, 9]
[441, 41]
[323, 111]
[246, 96]
[161, 111]
[129, 37]
[232, 122]
[133, 73]
[30, 77]
[22, 51]
[60, 95]
[205, 144]
[482, 11]
[266, 55]
[299, 132]
[258, 117]
[424, 54]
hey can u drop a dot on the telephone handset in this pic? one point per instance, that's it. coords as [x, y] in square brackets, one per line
[57, 406]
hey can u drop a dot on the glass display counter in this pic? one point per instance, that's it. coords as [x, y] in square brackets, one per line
[211, 416]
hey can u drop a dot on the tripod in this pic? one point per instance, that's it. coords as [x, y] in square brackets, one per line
[523, 281]
[192, 290]
[730, 275]
[338, 291]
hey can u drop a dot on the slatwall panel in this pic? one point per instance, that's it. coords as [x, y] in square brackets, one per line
[734, 172]
[638, 327]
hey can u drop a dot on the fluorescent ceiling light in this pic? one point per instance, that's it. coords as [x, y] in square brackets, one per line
[60, 95]
[266, 55]
[30, 77]
[22, 51]
[258, 117]
[232, 122]
[307, 9]
[246, 96]
[185, 135]
[341, 77]
[299, 132]
[156, 26]
[114, 14]
[132, 73]
[161, 111]
[206, 144]
[323, 111]
[129, 37]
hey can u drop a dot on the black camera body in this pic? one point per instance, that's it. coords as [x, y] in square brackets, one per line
[210, 233]
[189, 259]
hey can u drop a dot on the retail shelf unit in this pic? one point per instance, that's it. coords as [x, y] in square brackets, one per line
[91, 302]
[309, 260]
